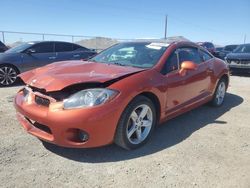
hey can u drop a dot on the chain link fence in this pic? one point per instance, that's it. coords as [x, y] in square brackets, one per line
[14, 38]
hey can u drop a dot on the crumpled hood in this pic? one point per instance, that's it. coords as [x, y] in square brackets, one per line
[59, 75]
[239, 56]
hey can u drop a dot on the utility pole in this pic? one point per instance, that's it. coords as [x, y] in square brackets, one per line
[166, 26]
[3, 37]
[245, 37]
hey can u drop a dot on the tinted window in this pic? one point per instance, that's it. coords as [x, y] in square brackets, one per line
[208, 45]
[205, 56]
[44, 47]
[189, 54]
[171, 64]
[244, 48]
[63, 47]
[79, 48]
[230, 47]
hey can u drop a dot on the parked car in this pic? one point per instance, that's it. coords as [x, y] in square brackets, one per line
[208, 45]
[31, 55]
[226, 50]
[217, 51]
[121, 98]
[3, 47]
[239, 59]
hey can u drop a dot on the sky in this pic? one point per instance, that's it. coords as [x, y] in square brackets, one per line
[220, 21]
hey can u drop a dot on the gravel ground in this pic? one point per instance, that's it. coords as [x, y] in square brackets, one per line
[207, 147]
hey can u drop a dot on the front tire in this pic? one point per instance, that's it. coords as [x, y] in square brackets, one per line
[219, 94]
[8, 75]
[136, 124]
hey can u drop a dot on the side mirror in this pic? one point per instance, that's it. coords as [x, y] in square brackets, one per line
[30, 51]
[187, 65]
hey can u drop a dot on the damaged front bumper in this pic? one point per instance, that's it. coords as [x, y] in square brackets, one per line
[65, 127]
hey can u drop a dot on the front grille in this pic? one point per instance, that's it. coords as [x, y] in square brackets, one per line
[244, 62]
[42, 101]
[239, 62]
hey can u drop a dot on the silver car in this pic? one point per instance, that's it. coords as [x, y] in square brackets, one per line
[31, 55]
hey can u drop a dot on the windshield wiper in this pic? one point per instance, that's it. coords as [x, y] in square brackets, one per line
[120, 64]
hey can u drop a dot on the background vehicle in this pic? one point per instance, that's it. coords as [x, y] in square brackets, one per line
[239, 59]
[31, 55]
[3, 47]
[217, 51]
[132, 87]
[226, 50]
[208, 45]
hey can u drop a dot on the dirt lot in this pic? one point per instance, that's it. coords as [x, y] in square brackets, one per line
[207, 147]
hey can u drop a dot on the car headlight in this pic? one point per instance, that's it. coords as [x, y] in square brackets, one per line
[89, 97]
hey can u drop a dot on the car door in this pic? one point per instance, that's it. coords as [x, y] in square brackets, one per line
[208, 61]
[80, 52]
[39, 54]
[185, 89]
[175, 92]
[63, 51]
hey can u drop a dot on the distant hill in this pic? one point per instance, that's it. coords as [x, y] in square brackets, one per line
[177, 38]
[101, 43]
[98, 43]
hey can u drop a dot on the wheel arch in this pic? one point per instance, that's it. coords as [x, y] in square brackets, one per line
[156, 102]
[11, 65]
[226, 77]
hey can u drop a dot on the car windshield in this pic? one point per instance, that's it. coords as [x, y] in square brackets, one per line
[207, 45]
[20, 48]
[137, 54]
[245, 48]
[230, 47]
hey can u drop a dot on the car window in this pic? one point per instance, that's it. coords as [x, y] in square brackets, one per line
[230, 48]
[189, 54]
[44, 47]
[78, 48]
[63, 47]
[208, 45]
[171, 64]
[205, 56]
[244, 48]
[137, 54]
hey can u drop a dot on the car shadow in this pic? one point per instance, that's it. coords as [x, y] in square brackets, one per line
[19, 82]
[167, 135]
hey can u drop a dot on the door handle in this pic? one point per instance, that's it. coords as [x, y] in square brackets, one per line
[76, 55]
[52, 57]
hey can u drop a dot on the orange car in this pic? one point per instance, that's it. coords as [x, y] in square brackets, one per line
[120, 95]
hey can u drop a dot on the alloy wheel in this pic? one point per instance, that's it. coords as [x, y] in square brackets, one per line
[220, 94]
[8, 75]
[139, 124]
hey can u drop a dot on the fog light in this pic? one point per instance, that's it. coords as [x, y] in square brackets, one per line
[83, 136]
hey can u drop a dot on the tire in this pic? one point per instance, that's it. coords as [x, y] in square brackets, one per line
[135, 128]
[219, 94]
[8, 75]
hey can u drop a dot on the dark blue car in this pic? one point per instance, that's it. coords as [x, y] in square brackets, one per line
[31, 55]
[239, 59]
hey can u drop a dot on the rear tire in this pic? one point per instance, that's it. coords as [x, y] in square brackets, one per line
[8, 75]
[136, 123]
[219, 94]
